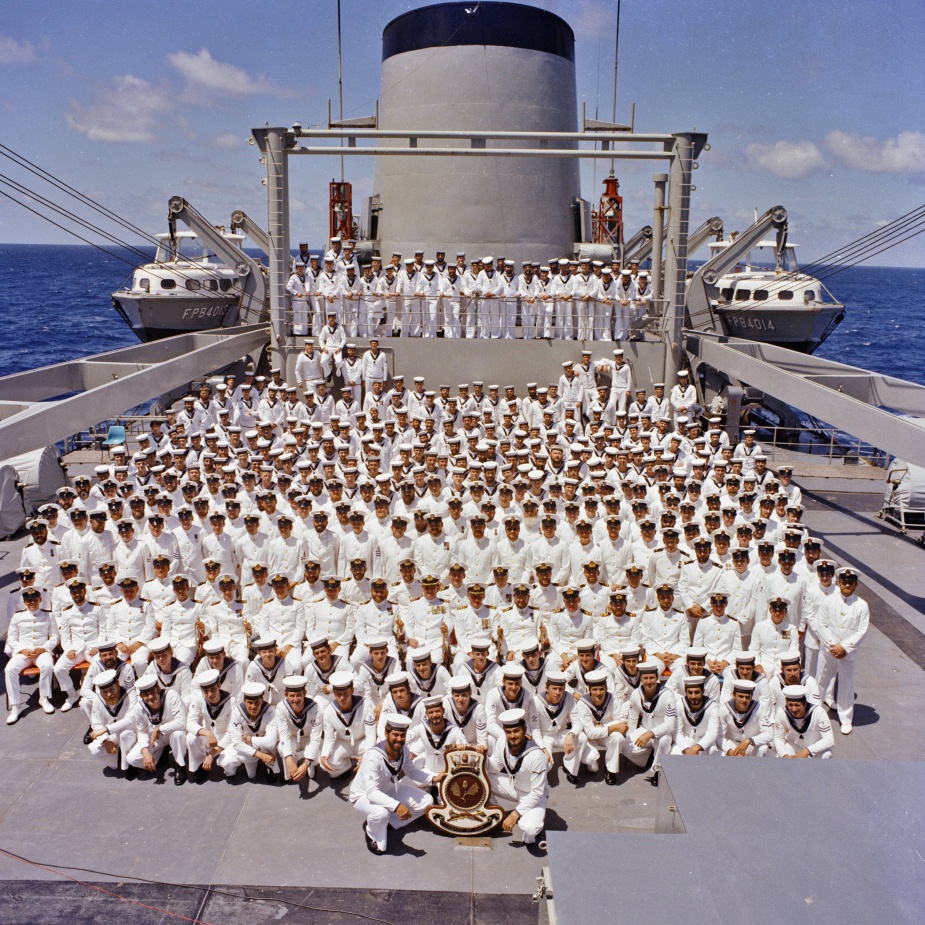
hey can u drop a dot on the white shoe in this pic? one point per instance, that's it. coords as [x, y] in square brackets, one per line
[45, 704]
[69, 704]
[14, 715]
[846, 729]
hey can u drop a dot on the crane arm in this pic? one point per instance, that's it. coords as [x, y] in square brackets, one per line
[241, 221]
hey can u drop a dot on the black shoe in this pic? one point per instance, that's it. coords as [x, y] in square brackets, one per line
[272, 776]
[571, 778]
[610, 778]
[131, 772]
[199, 775]
[370, 844]
[88, 735]
[652, 778]
[179, 776]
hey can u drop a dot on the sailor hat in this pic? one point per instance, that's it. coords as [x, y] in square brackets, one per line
[397, 722]
[629, 651]
[209, 677]
[430, 702]
[264, 642]
[341, 680]
[420, 655]
[695, 681]
[790, 658]
[146, 683]
[398, 679]
[696, 652]
[511, 719]
[648, 668]
[743, 686]
[529, 644]
[794, 692]
[585, 645]
[161, 644]
[593, 678]
[253, 690]
[741, 657]
[460, 683]
[295, 682]
[513, 671]
[105, 678]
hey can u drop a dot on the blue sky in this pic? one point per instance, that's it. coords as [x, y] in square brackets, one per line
[817, 105]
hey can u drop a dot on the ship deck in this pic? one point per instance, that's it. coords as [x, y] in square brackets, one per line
[275, 853]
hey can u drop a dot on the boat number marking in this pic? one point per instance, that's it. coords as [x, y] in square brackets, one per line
[206, 311]
[760, 324]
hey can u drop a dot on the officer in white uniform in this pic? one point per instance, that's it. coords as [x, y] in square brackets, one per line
[518, 771]
[843, 622]
[81, 628]
[380, 791]
[30, 640]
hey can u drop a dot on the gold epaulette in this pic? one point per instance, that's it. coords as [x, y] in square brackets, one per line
[587, 613]
[505, 609]
[559, 610]
[297, 599]
[413, 599]
[395, 584]
[650, 608]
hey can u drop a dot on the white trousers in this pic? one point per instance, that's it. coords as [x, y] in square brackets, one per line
[613, 746]
[176, 741]
[197, 749]
[341, 759]
[63, 670]
[565, 326]
[532, 821]
[17, 662]
[299, 315]
[379, 818]
[124, 740]
[639, 754]
[830, 669]
[431, 310]
[621, 321]
[508, 318]
[584, 312]
[236, 758]
[545, 316]
[602, 321]
[489, 318]
[683, 742]
[580, 751]
[414, 308]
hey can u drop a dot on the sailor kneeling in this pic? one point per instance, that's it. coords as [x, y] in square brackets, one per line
[698, 720]
[349, 726]
[254, 732]
[652, 720]
[601, 719]
[746, 727]
[379, 790]
[160, 723]
[517, 770]
[802, 728]
[112, 729]
[208, 727]
[299, 728]
[429, 739]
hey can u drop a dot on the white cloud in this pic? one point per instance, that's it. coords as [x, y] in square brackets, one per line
[126, 111]
[790, 159]
[203, 72]
[13, 52]
[227, 141]
[903, 154]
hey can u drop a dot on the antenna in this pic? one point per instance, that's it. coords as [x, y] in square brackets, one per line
[616, 61]
[340, 85]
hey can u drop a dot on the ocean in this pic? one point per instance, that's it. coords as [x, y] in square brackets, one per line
[55, 305]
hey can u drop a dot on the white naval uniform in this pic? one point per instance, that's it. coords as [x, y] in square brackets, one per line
[379, 789]
[130, 623]
[756, 724]
[472, 723]
[170, 720]
[80, 628]
[346, 736]
[429, 747]
[497, 703]
[842, 621]
[117, 721]
[179, 624]
[28, 630]
[217, 720]
[700, 728]
[179, 678]
[264, 737]
[523, 779]
[813, 732]
[658, 716]
[295, 740]
[593, 724]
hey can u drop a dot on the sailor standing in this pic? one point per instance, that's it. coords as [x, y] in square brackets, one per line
[299, 297]
[624, 314]
[427, 291]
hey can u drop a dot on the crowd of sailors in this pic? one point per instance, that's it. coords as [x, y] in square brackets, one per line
[568, 299]
[581, 576]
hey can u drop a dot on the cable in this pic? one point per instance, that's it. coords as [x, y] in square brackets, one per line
[59, 868]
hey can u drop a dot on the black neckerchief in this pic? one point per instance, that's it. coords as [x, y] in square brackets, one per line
[800, 725]
[597, 665]
[228, 664]
[599, 712]
[255, 724]
[437, 744]
[414, 702]
[632, 680]
[271, 677]
[653, 703]
[299, 720]
[534, 675]
[379, 677]
[553, 712]
[114, 710]
[740, 719]
[511, 764]
[213, 709]
[463, 721]
[478, 677]
[347, 718]
[326, 675]
[168, 679]
[425, 684]
[156, 716]
[394, 770]
[518, 704]
[695, 718]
